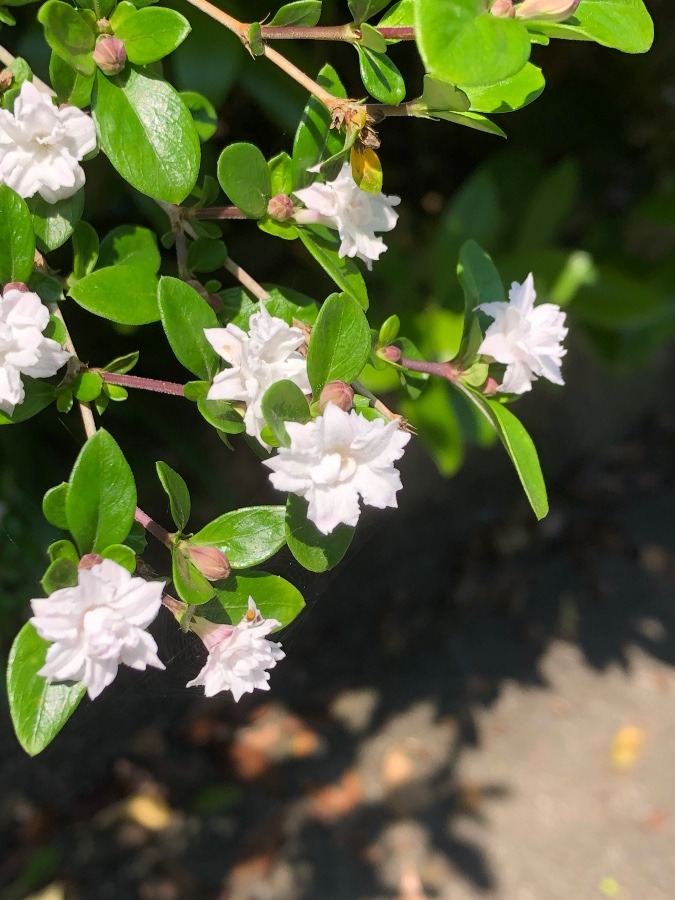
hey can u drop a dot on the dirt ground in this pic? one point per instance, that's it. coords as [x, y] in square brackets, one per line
[473, 706]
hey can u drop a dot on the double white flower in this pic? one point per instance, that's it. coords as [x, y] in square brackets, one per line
[527, 339]
[266, 354]
[239, 655]
[337, 458]
[97, 625]
[355, 214]
[41, 146]
[23, 348]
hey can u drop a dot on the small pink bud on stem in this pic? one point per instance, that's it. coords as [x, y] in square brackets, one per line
[17, 286]
[503, 9]
[490, 387]
[110, 55]
[89, 560]
[546, 10]
[280, 207]
[339, 393]
[390, 354]
[210, 561]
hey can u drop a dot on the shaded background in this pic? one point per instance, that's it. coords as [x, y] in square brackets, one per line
[473, 704]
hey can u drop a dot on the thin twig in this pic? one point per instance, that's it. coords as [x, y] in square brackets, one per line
[85, 409]
[152, 527]
[221, 212]
[7, 59]
[246, 280]
[142, 384]
[331, 33]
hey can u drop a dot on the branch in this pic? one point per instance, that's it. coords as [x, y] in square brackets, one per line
[86, 413]
[7, 59]
[331, 33]
[153, 528]
[142, 384]
[246, 280]
[220, 212]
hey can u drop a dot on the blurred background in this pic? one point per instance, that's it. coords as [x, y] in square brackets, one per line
[473, 704]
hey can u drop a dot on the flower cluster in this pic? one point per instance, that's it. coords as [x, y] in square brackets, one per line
[41, 146]
[527, 339]
[268, 353]
[23, 348]
[355, 214]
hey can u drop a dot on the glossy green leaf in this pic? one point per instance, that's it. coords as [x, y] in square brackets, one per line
[203, 114]
[125, 294]
[71, 33]
[340, 343]
[621, 24]
[275, 597]
[190, 584]
[400, 15]
[17, 240]
[85, 250]
[362, 10]
[63, 550]
[122, 364]
[130, 245]
[284, 303]
[471, 120]
[315, 551]
[87, 386]
[439, 96]
[460, 42]
[206, 255]
[247, 536]
[284, 402]
[39, 710]
[55, 222]
[151, 34]
[380, 76]
[185, 315]
[301, 12]
[177, 492]
[54, 505]
[101, 497]
[70, 85]
[147, 132]
[481, 283]
[122, 555]
[37, 396]
[61, 573]
[323, 244]
[371, 38]
[221, 415]
[314, 138]
[509, 94]
[281, 173]
[245, 178]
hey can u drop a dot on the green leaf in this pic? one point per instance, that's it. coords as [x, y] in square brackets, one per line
[54, 505]
[190, 584]
[315, 139]
[63, 550]
[221, 415]
[281, 173]
[136, 539]
[122, 555]
[275, 597]
[17, 240]
[38, 395]
[101, 497]
[315, 551]
[177, 492]
[340, 343]
[70, 33]
[203, 114]
[302, 12]
[247, 536]
[371, 39]
[284, 303]
[284, 402]
[621, 24]
[362, 10]
[481, 283]
[85, 250]
[70, 86]
[471, 120]
[206, 255]
[87, 386]
[245, 178]
[380, 76]
[460, 42]
[439, 96]
[509, 94]
[401, 14]
[151, 34]
[323, 244]
[55, 222]
[61, 573]
[130, 245]
[39, 710]
[184, 316]
[122, 364]
[147, 132]
[124, 294]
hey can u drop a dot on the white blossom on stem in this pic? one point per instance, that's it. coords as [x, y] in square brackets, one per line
[41, 146]
[268, 353]
[97, 625]
[23, 348]
[526, 338]
[239, 655]
[337, 458]
[355, 214]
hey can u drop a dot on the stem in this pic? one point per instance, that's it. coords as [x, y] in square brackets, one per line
[380, 406]
[246, 280]
[86, 413]
[181, 254]
[445, 370]
[221, 212]
[153, 527]
[381, 111]
[330, 33]
[7, 59]
[143, 384]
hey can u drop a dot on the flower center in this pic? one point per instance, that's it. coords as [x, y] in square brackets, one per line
[334, 468]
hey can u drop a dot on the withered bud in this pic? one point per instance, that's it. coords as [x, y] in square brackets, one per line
[17, 286]
[89, 560]
[110, 55]
[280, 207]
[391, 354]
[6, 79]
[546, 10]
[339, 393]
[503, 9]
[103, 26]
[210, 561]
[490, 387]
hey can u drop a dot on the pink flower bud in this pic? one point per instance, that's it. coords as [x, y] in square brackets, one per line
[547, 10]
[89, 560]
[210, 633]
[210, 561]
[490, 387]
[110, 55]
[103, 26]
[17, 286]
[338, 393]
[503, 9]
[391, 354]
[280, 207]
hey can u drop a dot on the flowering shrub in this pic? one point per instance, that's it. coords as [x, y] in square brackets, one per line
[285, 371]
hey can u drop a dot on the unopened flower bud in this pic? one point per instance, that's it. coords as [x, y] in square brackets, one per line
[280, 207]
[6, 79]
[210, 561]
[503, 9]
[490, 387]
[339, 393]
[89, 560]
[110, 55]
[17, 286]
[546, 10]
[103, 26]
[391, 354]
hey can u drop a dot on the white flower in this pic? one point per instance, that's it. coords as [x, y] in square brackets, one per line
[267, 354]
[41, 146]
[97, 625]
[336, 459]
[239, 655]
[356, 214]
[23, 349]
[524, 337]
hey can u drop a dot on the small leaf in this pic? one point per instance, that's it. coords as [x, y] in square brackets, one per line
[39, 709]
[17, 240]
[122, 555]
[245, 178]
[55, 222]
[443, 97]
[70, 86]
[302, 12]
[471, 120]
[71, 34]
[203, 114]
[151, 34]
[314, 138]
[510, 94]
[61, 573]
[63, 550]
[54, 506]
[184, 316]
[275, 597]
[85, 250]
[323, 245]
[122, 364]
[124, 294]
[284, 402]
[190, 584]
[87, 386]
[380, 76]
[340, 343]
[366, 169]
[247, 536]
[366, 9]
[206, 255]
[315, 551]
[177, 492]
[221, 415]
[371, 39]
[130, 245]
